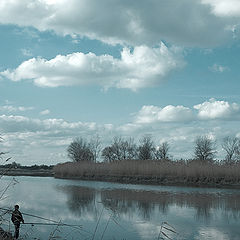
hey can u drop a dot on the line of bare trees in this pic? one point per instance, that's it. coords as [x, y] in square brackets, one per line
[120, 148]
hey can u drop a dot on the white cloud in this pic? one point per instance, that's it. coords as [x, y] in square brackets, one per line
[214, 109]
[44, 141]
[179, 113]
[17, 123]
[128, 22]
[10, 108]
[218, 68]
[224, 7]
[143, 67]
[208, 110]
[45, 112]
[149, 114]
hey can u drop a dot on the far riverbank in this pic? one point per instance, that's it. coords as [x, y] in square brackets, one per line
[165, 181]
[192, 174]
[27, 172]
[148, 172]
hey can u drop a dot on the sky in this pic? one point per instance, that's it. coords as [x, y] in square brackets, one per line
[87, 68]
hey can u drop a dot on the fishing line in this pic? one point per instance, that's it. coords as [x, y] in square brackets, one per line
[77, 227]
[46, 219]
[54, 224]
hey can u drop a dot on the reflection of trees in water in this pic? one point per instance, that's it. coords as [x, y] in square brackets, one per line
[145, 203]
[80, 199]
[124, 201]
[233, 204]
[206, 203]
[130, 201]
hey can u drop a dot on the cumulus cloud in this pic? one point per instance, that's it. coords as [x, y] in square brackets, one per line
[143, 67]
[208, 110]
[214, 109]
[149, 114]
[32, 140]
[224, 7]
[36, 139]
[128, 22]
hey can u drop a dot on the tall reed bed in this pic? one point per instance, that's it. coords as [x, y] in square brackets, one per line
[152, 171]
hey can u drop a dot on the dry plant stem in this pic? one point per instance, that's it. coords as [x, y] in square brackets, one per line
[28, 233]
[168, 228]
[51, 236]
[95, 230]
[106, 225]
[5, 190]
[4, 172]
[159, 235]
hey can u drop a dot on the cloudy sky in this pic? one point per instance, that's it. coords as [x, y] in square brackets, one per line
[81, 68]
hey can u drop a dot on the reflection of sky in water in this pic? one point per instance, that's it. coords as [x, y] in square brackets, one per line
[136, 211]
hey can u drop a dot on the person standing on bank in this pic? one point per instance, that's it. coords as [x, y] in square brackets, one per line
[17, 219]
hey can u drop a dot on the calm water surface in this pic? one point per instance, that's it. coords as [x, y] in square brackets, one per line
[122, 211]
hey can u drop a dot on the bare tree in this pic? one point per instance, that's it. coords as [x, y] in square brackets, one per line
[162, 151]
[231, 145]
[80, 150]
[95, 146]
[205, 149]
[146, 148]
[120, 149]
[116, 148]
[108, 155]
[113, 152]
[131, 149]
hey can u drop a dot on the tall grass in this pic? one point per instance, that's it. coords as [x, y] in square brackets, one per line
[192, 172]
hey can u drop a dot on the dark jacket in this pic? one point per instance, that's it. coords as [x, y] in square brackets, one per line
[17, 217]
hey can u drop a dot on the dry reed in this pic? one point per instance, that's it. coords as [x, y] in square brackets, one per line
[192, 172]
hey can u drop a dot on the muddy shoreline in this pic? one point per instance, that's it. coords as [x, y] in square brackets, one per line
[164, 181]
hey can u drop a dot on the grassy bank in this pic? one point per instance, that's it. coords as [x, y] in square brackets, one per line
[191, 173]
[27, 172]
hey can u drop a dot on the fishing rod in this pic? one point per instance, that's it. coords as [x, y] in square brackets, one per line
[54, 224]
[46, 219]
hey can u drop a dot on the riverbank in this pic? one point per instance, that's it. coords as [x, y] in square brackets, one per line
[154, 172]
[165, 181]
[27, 172]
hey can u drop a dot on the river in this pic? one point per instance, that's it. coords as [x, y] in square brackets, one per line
[120, 211]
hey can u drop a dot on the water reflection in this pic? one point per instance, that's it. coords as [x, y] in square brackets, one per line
[149, 203]
[136, 211]
[80, 199]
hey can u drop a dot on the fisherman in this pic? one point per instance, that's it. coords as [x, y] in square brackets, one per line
[17, 219]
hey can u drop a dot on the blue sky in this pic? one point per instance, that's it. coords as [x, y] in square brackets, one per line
[81, 68]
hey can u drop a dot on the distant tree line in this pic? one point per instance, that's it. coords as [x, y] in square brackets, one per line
[15, 165]
[204, 150]
[120, 149]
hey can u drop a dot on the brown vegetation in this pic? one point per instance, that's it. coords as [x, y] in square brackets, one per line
[154, 172]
